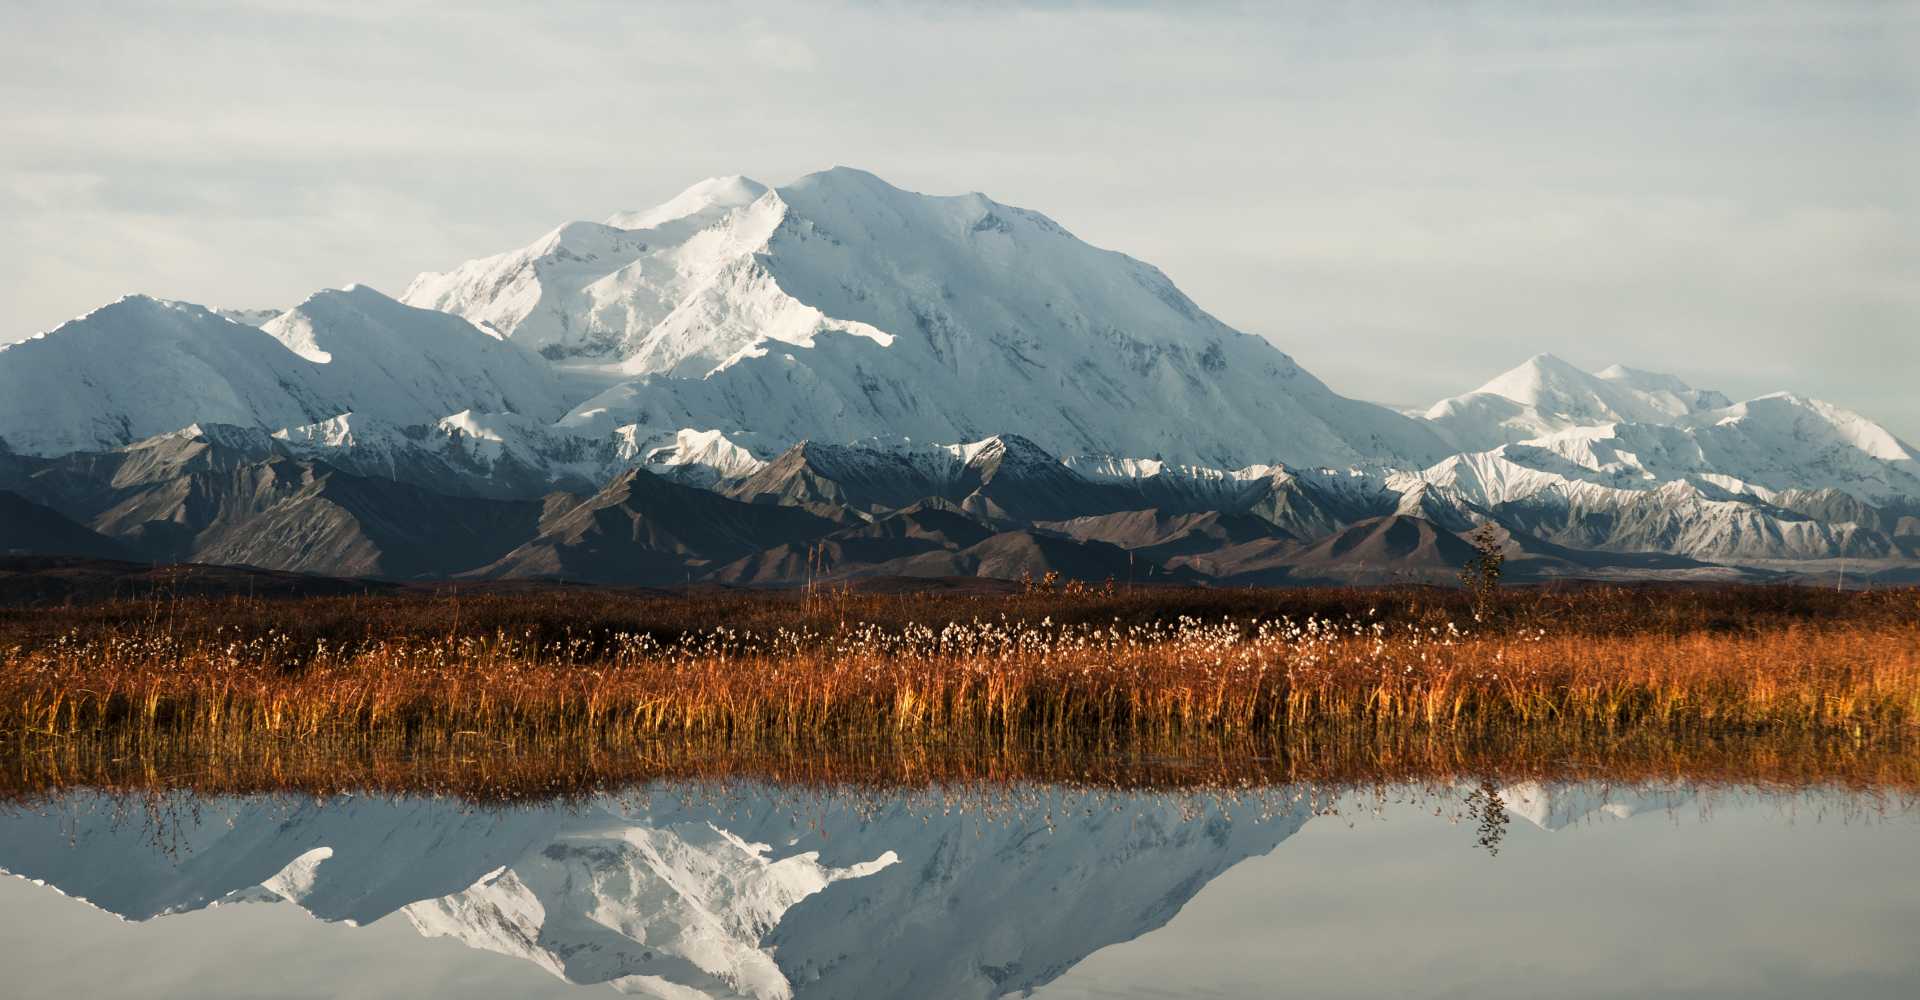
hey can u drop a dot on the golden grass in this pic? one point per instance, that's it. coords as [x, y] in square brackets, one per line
[961, 683]
[523, 696]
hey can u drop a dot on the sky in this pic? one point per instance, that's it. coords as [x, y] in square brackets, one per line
[1408, 198]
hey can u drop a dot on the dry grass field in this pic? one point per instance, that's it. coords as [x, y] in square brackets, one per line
[554, 687]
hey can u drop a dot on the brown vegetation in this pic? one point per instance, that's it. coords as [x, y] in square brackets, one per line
[194, 607]
[590, 682]
[483, 770]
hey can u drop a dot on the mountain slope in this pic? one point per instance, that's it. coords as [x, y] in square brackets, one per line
[308, 517]
[643, 529]
[1545, 395]
[840, 309]
[228, 495]
[1396, 544]
[597, 290]
[413, 366]
[884, 546]
[1156, 534]
[811, 474]
[849, 349]
[141, 367]
[27, 528]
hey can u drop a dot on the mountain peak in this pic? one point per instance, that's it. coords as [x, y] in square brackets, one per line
[841, 176]
[355, 293]
[843, 308]
[1622, 373]
[139, 304]
[1525, 382]
[707, 197]
[1004, 450]
[1547, 395]
[1660, 382]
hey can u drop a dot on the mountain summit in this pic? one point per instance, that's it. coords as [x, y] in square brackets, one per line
[1544, 395]
[840, 308]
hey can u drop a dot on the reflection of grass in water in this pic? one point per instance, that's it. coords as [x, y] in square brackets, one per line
[539, 769]
[175, 789]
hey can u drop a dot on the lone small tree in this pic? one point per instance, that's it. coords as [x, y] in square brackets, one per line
[1481, 574]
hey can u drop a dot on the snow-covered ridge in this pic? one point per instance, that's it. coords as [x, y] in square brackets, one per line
[707, 336]
[733, 191]
[1636, 430]
[142, 366]
[839, 308]
[1545, 395]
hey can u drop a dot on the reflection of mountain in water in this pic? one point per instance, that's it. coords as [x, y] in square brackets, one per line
[762, 893]
[1558, 805]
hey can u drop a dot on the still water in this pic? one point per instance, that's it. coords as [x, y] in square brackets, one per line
[763, 891]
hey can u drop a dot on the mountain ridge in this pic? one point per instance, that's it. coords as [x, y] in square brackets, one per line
[853, 349]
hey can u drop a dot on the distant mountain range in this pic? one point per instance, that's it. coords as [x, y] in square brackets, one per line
[837, 379]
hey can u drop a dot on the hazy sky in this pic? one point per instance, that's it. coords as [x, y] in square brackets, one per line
[1408, 197]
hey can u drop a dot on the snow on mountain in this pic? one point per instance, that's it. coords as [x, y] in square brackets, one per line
[1684, 518]
[141, 367]
[985, 908]
[673, 907]
[1763, 447]
[413, 366]
[709, 451]
[1628, 460]
[761, 892]
[733, 191]
[473, 453]
[1545, 395]
[841, 309]
[941, 337]
[1638, 430]
[599, 290]
[1560, 805]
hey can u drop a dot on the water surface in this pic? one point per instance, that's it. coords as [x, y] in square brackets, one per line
[760, 890]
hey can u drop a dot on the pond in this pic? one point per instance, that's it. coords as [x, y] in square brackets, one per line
[758, 889]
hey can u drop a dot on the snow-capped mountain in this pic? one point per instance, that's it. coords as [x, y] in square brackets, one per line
[759, 892]
[1764, 447]
[1545, 395]
[405, 365]
[1633, 461]
[600, 290]
[142, 366]
[951, 350]
[840, 309]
